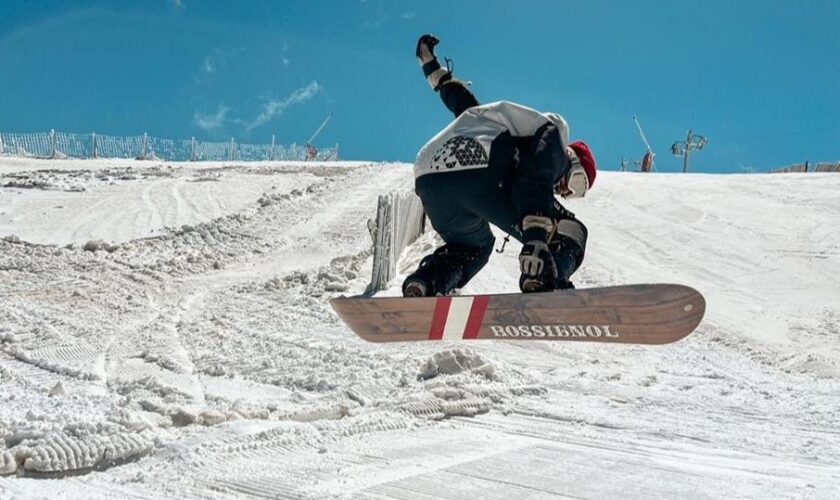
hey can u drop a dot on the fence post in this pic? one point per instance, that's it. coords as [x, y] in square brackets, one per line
[271, 151]
[93, 141]
[52, 143]
[192, 149]
[145, 145]
[232, 153]
[1, 144]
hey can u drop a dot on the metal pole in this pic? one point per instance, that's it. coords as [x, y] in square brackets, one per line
[645, 141]
[641, 133]
[93, 143]
[145, 145]
[271, 151]
[232, 155]
[52, 143]
[192, 149]
[319, 129]
[687, 149]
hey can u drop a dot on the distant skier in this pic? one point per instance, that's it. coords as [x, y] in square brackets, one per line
[498, 163]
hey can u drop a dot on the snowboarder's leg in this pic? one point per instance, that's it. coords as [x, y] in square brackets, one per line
[567, 244]
[469, 240]
[497, 206]
[454, 93]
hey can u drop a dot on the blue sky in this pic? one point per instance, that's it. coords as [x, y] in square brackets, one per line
[760, 79]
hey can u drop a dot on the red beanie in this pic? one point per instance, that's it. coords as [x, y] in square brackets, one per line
[587, 161]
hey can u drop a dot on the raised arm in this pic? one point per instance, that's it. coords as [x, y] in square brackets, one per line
[454, 93]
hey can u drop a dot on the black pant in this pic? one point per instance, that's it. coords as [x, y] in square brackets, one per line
[462, 205]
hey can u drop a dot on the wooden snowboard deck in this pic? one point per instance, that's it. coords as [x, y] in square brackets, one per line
[639, 314]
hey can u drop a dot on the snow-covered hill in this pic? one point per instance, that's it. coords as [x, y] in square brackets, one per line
[195, 355]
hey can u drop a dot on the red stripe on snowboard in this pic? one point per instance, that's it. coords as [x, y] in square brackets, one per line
[439, 318]
[479, 305]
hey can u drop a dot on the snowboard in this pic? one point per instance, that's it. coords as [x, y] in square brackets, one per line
[629, 314]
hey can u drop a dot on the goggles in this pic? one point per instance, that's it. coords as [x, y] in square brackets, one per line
[577, 183]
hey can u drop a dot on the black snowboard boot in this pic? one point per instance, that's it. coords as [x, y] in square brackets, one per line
[448, 268]
[531, 284]
[432, 70]
[567, 258]
[438, 274]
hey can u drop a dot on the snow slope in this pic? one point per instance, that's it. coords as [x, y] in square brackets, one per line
[125, 200]
[199, 358]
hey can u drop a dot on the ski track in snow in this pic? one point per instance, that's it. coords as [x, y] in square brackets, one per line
[199, 356]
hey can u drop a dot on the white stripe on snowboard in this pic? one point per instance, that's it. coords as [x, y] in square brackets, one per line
[456, 320]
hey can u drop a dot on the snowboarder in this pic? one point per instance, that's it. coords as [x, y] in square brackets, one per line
[499, 163]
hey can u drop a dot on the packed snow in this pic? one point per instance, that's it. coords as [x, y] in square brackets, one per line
[165, 333]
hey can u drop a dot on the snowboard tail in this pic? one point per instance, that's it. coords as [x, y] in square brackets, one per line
[637, 314]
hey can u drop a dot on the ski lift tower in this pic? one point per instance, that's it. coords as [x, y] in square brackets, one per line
[684, 148]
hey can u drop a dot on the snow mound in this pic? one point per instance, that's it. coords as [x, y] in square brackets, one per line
[97, 245]
[456, 361]
[63, 452]
[6, 335]
[8, 464]
[335, 278]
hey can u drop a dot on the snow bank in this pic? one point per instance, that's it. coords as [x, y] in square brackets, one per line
[60, 452]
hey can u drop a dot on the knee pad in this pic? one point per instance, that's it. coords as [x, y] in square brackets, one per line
[568, 255]
[571, 232]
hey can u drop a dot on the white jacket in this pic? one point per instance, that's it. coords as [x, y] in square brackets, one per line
[465, 143]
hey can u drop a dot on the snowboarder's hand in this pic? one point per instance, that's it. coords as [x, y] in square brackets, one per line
[426, 48]
[535, 258]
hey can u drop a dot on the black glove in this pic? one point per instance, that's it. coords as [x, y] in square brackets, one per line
[535, 260]
[426, 48]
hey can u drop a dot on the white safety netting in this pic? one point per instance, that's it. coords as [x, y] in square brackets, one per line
[827, 167]
[69, 145]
